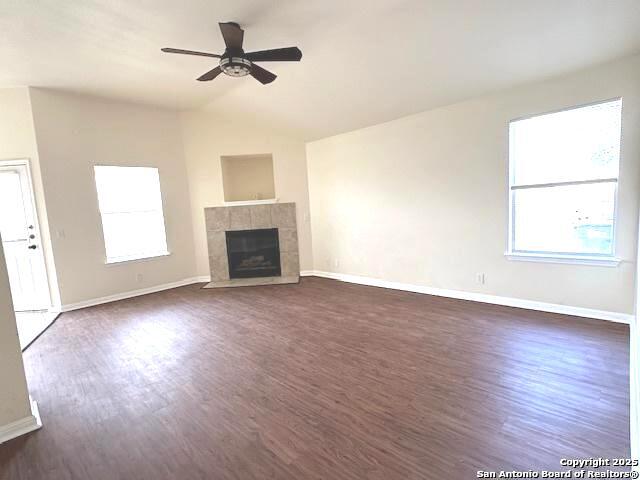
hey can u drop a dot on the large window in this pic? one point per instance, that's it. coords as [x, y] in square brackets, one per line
[563, 181]
[131, 209]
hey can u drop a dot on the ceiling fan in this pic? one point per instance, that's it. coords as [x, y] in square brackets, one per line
[236, 63]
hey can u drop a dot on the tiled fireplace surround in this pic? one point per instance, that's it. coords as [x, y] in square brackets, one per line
[250, 217]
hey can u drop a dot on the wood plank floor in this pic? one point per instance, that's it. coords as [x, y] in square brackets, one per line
[321, 380]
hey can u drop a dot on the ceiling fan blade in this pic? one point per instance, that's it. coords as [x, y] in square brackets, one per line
[290, 54]
[210, 75]
[262, 75]
[189, 52]
[232, 33]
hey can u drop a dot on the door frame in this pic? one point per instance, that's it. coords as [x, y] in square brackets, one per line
[25, 162]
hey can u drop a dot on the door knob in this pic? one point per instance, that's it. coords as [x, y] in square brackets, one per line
[32, 247]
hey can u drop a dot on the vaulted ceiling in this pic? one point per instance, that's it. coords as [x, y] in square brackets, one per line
[364, 61]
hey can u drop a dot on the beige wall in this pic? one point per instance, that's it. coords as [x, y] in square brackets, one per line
[14, 396]
[74, 133]
[207, 137]
[18, 141]
[423, 200]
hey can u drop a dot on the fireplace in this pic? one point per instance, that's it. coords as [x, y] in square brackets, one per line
[252, 245]
[253, 253]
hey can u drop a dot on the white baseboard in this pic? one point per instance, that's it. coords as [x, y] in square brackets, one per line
[144, 291]
[133, 293]
[480, 297]
[374, 282]
[22, 426]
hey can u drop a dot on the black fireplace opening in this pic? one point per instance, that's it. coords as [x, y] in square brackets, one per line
[253, 253]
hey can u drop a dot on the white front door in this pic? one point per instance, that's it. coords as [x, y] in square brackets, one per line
[21, 239]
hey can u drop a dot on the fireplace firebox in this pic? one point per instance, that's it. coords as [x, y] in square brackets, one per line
[253, 253]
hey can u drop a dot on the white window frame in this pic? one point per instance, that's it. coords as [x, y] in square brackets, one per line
[608, 260]
[133, 258]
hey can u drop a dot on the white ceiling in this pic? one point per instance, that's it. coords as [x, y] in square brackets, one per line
[364, 61]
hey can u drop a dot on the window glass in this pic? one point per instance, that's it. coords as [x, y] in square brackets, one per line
[131, 208]
[563, 180]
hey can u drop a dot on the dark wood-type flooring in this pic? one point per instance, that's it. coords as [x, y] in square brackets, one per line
[321, 380]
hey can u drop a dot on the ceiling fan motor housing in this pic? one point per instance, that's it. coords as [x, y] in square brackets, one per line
[235, 66]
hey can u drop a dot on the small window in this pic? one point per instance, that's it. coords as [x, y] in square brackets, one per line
[563, 181]
[131, 208]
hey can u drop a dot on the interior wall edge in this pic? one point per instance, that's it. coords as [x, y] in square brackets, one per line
[634, 368]
[23, 426]
[43, 216]
[14, 392]
[634, 390]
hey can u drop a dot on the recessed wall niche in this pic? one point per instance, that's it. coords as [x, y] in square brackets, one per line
[247, 177]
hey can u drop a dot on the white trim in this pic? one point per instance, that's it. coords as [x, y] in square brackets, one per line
[251, 202]
[130, 294]
[22, 426]
[134, 258]
[559, 258]
[634, 391]
[563, 184]
[567, 109]
[374, 282]
[109, 261]
[144, 291]
[513, 186]
[481, 297]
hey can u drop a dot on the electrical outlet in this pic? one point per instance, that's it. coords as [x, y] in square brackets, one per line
[336, 263]
[480, 278]
[139, 278]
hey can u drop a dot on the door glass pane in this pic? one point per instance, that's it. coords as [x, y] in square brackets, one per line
[13, 221]
[578, 144]
[567, 219]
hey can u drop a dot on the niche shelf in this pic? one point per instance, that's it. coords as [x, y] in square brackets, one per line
[248, 179]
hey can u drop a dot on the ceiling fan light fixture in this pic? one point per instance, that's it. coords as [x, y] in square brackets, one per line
[235, 62]
[235, 66]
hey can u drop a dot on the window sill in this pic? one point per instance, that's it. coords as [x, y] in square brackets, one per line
[570, 259]
[120, 261]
